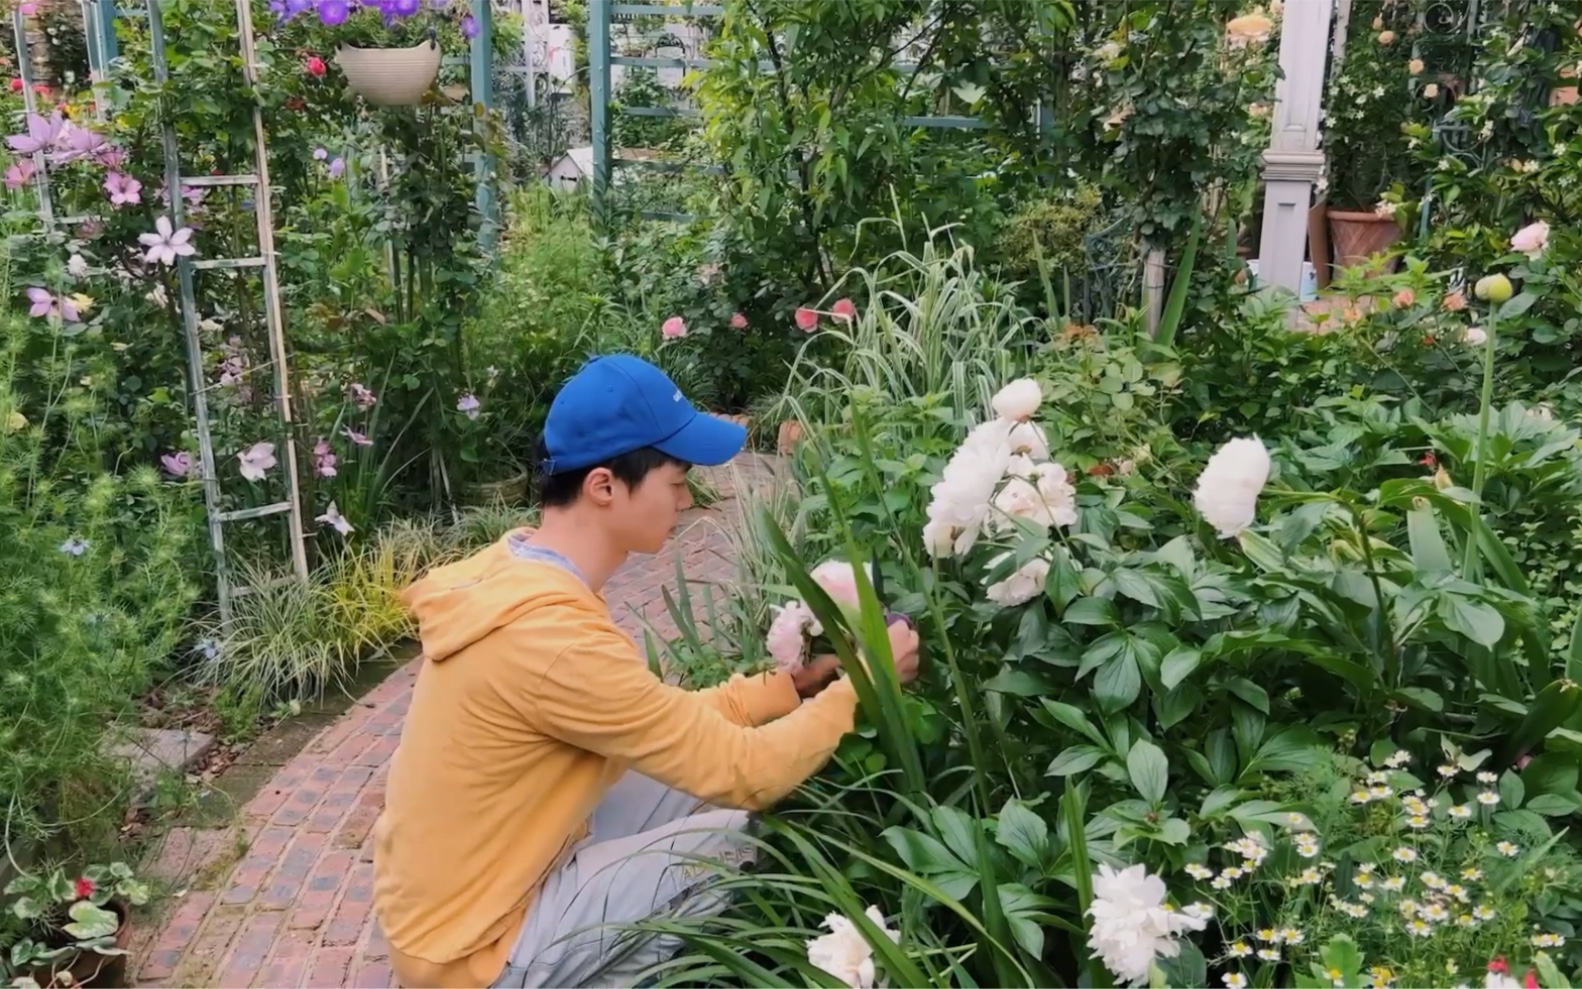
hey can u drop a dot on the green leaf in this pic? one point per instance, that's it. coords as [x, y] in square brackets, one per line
[1474, 619]
[1074, 718]
[1149, 771]
[925, 855]
[1178, 666]
[1249, 692]
[1077, 759]
[1117, 684]
[1092, 611]
[1024, 834]
[1511, 791]
[1428, 544]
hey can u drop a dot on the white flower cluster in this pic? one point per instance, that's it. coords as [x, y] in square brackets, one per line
[1132, 923]
[1000, 474]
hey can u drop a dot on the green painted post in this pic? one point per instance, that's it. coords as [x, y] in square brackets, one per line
[108, 47]
[599, 97]
[482, 80]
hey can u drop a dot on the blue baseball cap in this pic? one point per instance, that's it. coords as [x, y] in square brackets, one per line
[619, 404]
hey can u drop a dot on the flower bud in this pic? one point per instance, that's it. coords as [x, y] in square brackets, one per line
[1493, 288]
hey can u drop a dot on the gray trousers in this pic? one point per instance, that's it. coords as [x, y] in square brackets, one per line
[650, 854]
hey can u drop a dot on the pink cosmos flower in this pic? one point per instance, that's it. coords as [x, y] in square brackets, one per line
[20, 173]
[123, 189]
[166, 243]
[178, 464]
[673, 328]
[843, 311]
[806, 320]
[738, 321]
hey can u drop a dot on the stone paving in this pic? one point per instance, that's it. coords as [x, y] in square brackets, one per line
[283, 895]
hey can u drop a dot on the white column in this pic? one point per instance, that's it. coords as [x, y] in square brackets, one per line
[1293, 164]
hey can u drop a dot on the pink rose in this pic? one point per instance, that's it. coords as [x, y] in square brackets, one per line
[738, 321]
[806, 320]
[844, 311]
[673, 328]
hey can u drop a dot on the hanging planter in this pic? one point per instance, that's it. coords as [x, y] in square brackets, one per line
[390, 76]
[1358, 235]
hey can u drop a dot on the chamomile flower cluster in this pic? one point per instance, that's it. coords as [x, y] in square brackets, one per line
[1412, 877]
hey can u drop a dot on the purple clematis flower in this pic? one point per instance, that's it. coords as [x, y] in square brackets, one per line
[79, 142]
[166, 243]
[46, 305]
[42, 134]
[360, 393]
[337, 168]
[468, 405]
[334, 519]
[356, 437]
[178, 464]
[469, 27]
[323, 458]
[123, 189]
[20, 173]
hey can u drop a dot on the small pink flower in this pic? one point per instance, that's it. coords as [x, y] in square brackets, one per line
[256, 460]
[673, 328]
[468, 405]
[1405, 297]
[177, 464]
[1531, 239]
[364, 398]
[1454, 301]
[843, 311]
[738, 321]
[323, 458]
[84, 887]
[165, 243]
[356, 437]
[839, 580]
[806, 320]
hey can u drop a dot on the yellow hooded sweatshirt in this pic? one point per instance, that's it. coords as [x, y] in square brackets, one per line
[531, 703]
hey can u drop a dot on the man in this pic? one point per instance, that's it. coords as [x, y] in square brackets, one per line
[548, 787]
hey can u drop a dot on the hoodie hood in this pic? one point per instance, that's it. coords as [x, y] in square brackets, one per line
[460, 603]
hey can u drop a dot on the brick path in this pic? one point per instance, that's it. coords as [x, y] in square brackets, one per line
[283, 896]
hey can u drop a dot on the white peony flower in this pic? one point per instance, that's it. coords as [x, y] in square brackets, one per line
[961, 498]
[1131, 923]
[77, 267]
[1027, 438]
[1018, 400]
[1024, 584]
[1040, 494]
[845, 953]
[1227, 492]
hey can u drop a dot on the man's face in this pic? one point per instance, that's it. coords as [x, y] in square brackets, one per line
[643, 516]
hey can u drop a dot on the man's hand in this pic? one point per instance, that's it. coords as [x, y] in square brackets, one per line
[817, 673]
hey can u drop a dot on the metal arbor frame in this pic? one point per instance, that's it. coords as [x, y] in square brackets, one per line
[99, 22]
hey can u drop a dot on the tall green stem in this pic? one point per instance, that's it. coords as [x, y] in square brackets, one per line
[1480, 452]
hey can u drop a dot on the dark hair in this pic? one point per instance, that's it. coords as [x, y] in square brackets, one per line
[562, 489]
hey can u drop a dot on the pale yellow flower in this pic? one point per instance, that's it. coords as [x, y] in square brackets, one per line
[16, 422]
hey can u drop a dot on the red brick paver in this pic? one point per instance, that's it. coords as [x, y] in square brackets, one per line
[284, 896]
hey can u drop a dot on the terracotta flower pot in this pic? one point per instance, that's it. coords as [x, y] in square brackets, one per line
[1358, 235]
[390, 76]
[90, 969]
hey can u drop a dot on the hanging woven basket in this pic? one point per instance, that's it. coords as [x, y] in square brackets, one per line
[390, 76]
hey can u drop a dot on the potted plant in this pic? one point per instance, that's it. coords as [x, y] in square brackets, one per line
[1371, 96]
[389, 50]
[75, 931]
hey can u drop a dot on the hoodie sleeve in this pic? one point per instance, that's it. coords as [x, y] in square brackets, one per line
[595, 697]
[750, 701]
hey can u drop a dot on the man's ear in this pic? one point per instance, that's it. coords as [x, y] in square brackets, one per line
[599, 486]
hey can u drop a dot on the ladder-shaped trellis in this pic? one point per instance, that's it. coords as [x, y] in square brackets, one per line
[264, 262]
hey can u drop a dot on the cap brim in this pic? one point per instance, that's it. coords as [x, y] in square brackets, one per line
[706, 441]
